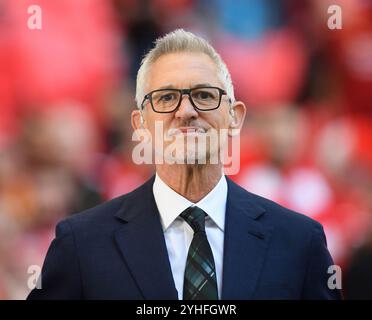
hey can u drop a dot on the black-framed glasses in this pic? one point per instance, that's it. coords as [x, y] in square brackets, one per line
[168, 100]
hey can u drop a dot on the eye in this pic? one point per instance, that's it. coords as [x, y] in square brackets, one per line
[167, 97]
[203, 95]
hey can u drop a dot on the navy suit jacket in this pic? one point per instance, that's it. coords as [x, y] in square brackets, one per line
[117, 250]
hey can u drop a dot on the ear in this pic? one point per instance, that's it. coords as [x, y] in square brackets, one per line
[237, 116]
[137, 120]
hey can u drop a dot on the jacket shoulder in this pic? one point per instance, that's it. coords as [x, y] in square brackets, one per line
[104, 214]
[281, 213]
[276, 214]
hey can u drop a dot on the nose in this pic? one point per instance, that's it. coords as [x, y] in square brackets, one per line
[186, 110]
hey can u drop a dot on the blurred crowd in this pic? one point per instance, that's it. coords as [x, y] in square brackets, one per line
[67, 91]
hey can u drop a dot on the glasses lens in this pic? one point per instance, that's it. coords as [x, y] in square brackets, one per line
[205, 98]
[165, 100]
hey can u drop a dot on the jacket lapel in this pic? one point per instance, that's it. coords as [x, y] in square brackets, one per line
[142, 244]
[245, 244]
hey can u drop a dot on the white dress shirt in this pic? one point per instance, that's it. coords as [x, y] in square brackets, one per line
[178, 234]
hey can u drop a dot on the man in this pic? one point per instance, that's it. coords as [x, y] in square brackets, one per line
[189, 232]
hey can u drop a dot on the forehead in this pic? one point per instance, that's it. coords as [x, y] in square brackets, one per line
[182, 70]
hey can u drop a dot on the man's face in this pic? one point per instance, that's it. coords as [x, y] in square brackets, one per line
[183, 71]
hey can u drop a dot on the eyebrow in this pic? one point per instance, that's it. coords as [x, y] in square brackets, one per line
[199, 85]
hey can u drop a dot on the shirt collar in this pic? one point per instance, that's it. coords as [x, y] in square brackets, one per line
[170, 204]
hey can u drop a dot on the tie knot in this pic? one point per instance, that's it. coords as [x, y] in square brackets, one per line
[195, 217]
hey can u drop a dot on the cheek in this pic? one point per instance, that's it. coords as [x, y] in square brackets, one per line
[168, 122]
[219, 121]
[158, 122]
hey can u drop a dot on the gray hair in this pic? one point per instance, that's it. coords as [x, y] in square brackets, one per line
[181, 41]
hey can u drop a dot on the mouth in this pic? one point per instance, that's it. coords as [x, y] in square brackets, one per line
[186, 131]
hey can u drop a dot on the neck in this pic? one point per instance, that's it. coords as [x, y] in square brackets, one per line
[193, 182]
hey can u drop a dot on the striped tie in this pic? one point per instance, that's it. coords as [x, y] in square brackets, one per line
[200, 274]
